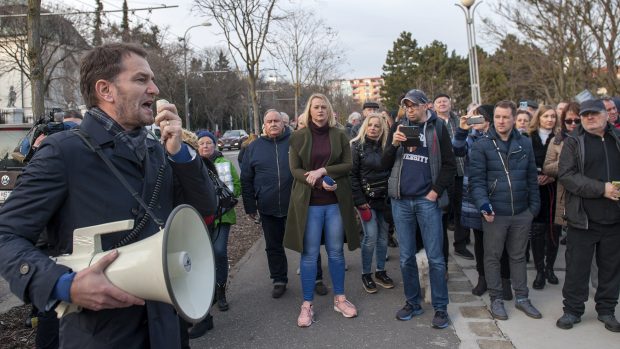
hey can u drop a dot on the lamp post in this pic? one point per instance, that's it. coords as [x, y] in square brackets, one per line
[205, 24]
[469, 7]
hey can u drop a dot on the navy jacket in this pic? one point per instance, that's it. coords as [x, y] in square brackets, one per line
[511, 187]
[266, 178]
[66, 186]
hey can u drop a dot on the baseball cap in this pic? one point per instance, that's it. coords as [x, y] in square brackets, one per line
[591, 106]
[415, 96]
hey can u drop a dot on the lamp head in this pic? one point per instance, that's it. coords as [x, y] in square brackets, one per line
[467, 3]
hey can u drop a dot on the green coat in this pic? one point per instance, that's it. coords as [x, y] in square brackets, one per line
[229, 217]
[338, 167]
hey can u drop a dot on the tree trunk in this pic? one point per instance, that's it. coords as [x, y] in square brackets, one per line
[254, 97]
[34, 58]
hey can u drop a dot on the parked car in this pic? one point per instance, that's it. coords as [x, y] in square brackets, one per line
[232, 139]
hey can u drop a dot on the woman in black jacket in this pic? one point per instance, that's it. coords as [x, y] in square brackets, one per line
[369, 186]
[544, 233]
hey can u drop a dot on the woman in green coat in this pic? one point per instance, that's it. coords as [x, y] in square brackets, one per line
[320, 151]
[207, 143]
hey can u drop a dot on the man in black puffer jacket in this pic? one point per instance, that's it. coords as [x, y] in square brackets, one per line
[503, 179]
[266, 182]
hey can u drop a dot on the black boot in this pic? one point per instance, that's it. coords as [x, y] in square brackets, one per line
[553, 244]
[220, 296]
[506, 290]
[199, 329]
[538, 251]
[481, 287]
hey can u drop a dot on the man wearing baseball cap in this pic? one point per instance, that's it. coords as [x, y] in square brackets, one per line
[423, 167]
[589, 170]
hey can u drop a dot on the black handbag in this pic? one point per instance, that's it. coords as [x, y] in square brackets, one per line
[226, 199]
[375, 190]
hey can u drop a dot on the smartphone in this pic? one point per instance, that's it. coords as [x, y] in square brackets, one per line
[474, 120]
[413, 136]
[329, 180]
[523, 105]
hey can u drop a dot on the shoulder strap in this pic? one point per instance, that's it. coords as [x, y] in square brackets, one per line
[97, 149]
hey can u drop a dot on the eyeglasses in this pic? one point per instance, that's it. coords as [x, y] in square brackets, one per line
[204, 144]
[572, 121]
[410, 106]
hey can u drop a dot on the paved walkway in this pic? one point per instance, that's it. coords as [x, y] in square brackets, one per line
[256, 320]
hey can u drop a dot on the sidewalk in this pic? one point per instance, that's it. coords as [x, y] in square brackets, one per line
[527, 333]
[256, 320]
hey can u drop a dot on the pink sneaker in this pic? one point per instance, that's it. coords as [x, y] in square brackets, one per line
[344, 307]
[306, 316]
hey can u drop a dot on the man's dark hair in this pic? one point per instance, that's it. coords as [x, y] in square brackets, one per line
[103, 63]
[507, 105]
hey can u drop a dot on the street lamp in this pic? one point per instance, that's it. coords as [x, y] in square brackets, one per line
[205, 24]
[469, 8]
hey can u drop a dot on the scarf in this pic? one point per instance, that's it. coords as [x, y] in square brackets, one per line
[134, 139]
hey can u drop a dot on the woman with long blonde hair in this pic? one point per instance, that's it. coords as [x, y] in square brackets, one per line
[320, 161]
[369, 184]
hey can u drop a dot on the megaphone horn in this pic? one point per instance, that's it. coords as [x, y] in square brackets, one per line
[174, 266]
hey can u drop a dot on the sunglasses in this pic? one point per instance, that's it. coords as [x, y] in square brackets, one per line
[572, 121]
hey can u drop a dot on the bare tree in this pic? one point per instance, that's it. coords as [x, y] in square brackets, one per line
[601, 18]
[55, 57]
[245, 25]
[559, 55]
[34, 57]
[306, 48]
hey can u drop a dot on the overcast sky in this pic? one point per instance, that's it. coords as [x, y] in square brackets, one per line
[367, 28]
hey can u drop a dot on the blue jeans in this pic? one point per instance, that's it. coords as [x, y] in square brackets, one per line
[220, 250]
[407, 214]
[375, 239]
[322, 218]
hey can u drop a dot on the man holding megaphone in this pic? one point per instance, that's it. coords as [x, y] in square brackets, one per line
[70, 183]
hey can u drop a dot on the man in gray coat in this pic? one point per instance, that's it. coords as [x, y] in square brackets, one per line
[67, 186]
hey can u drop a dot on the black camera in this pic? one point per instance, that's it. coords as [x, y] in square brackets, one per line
[50, 124]
[46, 125]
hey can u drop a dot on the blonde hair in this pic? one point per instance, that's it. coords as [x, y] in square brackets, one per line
[535, 121]
[361, 136]
[306, 117]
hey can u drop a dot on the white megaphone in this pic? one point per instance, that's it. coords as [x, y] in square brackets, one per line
[174, 266]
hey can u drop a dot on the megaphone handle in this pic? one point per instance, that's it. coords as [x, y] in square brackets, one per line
[64, 308]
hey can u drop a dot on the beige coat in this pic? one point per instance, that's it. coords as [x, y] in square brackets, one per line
[550, 168]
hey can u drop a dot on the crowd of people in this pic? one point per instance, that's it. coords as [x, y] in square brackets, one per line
[518, 177]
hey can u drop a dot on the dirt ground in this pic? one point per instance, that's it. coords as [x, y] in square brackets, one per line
[13, 333]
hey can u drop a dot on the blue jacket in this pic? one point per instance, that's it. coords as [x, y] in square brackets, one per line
[462, 144]
[266, 178]
[508, 183]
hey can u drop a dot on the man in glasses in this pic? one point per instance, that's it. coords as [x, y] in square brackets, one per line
[589, 170]
[423, 167]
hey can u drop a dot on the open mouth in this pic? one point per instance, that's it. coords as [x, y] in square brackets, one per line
[148, 105]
